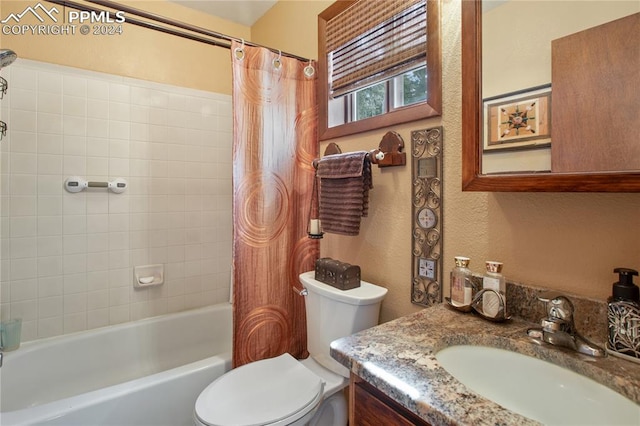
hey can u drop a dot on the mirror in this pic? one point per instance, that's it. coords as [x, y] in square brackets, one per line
[479, 169]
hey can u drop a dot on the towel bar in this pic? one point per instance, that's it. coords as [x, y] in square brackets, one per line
[389, 152]
[375, 155]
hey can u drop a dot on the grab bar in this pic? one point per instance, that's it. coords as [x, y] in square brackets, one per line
[77, 184]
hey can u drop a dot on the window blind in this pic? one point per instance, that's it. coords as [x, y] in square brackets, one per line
[375, 40]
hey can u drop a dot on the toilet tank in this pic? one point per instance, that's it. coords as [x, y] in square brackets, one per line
[334, 313]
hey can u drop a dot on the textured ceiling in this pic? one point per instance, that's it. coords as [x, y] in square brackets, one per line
[245, 12]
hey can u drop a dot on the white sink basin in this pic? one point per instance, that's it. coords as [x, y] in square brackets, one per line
[537, 389]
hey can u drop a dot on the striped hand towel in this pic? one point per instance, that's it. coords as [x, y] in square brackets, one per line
[345, 180]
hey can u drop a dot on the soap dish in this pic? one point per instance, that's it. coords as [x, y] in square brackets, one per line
[148, 276]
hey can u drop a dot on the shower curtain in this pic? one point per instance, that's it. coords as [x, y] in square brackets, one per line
[274, 143]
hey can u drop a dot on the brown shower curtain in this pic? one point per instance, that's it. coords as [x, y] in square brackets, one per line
[274, 143]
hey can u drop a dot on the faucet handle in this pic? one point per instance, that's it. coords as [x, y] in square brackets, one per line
[558, 305]
[548, 296]
[559, 311]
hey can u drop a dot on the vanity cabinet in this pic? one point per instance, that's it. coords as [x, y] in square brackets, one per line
[370, 407]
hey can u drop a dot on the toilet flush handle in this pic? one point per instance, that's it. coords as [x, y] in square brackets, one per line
[302, 292]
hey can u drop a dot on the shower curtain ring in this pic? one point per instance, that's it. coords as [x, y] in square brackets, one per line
[277, 63]
[309, 70]
[238, 52]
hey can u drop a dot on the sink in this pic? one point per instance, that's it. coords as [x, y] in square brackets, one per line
[537, 389]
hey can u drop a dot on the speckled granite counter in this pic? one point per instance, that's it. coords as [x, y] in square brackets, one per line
[398, 358]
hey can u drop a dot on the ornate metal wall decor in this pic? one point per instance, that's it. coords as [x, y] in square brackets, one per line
[426, 227]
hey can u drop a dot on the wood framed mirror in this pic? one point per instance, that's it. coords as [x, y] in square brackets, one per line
[472, 127]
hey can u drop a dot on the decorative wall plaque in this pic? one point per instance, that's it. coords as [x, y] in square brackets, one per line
[426, 227]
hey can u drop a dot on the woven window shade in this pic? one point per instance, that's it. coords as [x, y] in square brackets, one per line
[375, 40]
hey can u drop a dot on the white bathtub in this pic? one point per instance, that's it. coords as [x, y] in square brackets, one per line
[148, 372]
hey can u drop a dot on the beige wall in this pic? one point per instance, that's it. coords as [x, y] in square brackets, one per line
[138, 52]
[291, 26]
[569, 242]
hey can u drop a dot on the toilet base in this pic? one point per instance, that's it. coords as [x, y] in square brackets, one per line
[332, 412]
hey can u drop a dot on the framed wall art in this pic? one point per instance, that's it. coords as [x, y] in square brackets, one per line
[518, 120]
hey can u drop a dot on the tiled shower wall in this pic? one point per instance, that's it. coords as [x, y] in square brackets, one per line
[67, 259]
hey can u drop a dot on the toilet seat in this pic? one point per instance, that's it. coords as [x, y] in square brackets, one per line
[274, 391]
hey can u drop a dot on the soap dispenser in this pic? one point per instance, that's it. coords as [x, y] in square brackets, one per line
[493, 302]
[461, 289]
[624, 316]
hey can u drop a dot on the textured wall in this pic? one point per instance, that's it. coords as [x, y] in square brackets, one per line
[137, 52]
[568, 242]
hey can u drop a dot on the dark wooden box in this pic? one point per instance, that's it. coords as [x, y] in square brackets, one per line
[340, 275]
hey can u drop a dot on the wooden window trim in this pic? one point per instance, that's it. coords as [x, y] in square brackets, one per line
[432, 107]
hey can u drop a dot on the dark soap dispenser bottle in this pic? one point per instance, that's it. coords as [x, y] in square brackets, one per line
[624, 316]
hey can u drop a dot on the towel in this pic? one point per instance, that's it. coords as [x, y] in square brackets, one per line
[345, 180]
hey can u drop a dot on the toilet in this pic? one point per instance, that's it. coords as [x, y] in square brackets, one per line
[286, 391]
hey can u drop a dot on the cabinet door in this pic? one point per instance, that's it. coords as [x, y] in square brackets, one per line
[593, 107]
[371, 407]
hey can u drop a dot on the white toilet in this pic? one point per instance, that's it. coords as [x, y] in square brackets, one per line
[284, 391]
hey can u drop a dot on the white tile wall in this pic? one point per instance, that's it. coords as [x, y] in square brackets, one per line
[66, 260]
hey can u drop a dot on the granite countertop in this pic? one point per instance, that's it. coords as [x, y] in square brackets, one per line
[398, 358]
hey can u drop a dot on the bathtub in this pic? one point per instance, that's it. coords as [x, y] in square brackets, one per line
[147, 372]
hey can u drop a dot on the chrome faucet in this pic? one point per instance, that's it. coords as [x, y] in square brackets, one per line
[558, 327]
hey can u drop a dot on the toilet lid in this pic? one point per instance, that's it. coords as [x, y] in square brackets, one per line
[262, 392]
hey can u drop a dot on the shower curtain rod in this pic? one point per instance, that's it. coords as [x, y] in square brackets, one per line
[161, 19]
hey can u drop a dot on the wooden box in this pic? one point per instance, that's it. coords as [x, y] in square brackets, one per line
[340, 275]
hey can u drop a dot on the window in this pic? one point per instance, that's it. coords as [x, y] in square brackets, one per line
[380, 98]
[379, 64]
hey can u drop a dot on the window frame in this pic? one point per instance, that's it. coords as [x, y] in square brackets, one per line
[394, 91]
[431, 107]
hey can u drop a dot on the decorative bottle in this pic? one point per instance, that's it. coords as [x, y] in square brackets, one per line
[461, 289]
[623, 309]
[493, 280]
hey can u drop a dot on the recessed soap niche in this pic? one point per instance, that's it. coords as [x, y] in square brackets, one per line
[146, 276]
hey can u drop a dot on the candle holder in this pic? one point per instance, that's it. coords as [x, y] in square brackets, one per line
[314, 229]
[314, 226]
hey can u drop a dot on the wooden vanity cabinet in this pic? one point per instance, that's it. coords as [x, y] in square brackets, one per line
[370, 407]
